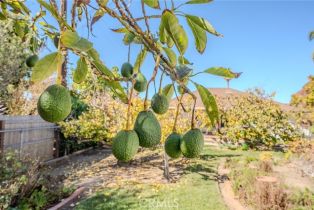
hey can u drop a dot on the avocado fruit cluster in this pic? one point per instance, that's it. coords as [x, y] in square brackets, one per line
[54, 104]
[190, 145]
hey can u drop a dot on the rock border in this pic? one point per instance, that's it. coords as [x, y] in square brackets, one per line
[69, 200]
[226, 191]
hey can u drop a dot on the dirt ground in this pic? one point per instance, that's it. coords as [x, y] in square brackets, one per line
[99, 169]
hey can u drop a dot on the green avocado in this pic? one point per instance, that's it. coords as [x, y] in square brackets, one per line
[127, 70]
[125, 145]
[140, 83]
[31, 61]
[54, 104]
[192, 143]
[148, 129]
[160, 103]
[172, 145]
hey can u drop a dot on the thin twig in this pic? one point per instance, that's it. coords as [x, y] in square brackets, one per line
[129, 106]
[145, 17]
[160, 83]
[151, 79]
[73, 14]
[174, 129]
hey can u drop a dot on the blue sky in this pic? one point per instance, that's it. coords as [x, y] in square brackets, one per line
[266, 40]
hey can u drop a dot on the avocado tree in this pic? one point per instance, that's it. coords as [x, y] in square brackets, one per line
[167, 46]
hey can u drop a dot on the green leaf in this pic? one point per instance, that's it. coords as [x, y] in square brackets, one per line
[81, 71]
[115, 86]
[171, 55]
[162, 33]
[2, 16]
[183, 61]
[98, 14]
[54, 13]
[128, 38]
[175, 31]
[203, 23]
[209, 103]
[72, 40]
[168, 91]
[102, 2]
[48, 26]
[311, 35]
[120, 30]
[152, 3]
[221, 71]
[46, 66]
[24, 7]
[198, 1]
[199, 36]
[139, 60]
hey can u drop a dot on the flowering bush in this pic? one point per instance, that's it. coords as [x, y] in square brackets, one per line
[258, 121]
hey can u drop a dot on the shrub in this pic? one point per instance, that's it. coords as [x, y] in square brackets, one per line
[17, 179]
[24, 186]
[255, 119]
[105, 118]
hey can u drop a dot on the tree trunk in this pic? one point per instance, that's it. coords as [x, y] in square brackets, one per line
[166, 166]
[63, 12]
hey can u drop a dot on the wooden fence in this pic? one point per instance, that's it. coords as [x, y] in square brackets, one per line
[30, 136]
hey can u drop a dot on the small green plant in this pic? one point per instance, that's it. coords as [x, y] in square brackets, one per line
[245, 147]
[302, 199]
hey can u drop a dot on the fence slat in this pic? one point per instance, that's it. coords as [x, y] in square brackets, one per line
[30, 135]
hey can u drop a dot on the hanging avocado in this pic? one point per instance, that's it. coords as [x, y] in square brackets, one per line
[31, 61]
[140, 82]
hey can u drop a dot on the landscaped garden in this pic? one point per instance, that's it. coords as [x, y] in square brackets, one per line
[140, 129]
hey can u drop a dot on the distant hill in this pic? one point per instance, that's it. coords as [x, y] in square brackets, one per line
[222, 95]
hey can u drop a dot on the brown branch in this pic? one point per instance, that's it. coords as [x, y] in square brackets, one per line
[147, 17]
[150, 43]
[63, 14]
[73, 14]
[130, 24]
[54, 4]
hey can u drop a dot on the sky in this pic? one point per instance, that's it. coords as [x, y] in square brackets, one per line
[266, 40]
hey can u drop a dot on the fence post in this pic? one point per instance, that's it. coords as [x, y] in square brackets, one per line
[57, 143]
[1, 138]
[21, 143]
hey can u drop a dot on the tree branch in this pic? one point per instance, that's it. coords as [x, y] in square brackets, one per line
[147, 17]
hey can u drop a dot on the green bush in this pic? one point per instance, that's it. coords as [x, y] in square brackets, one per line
[258, 121]
[24, 186]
